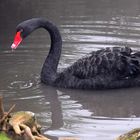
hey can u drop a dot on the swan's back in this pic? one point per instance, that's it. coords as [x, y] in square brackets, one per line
[116, 62]
[103, 67]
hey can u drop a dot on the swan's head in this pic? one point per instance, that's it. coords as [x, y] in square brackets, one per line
[24, 29]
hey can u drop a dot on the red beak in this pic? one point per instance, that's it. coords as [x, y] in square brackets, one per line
[17, 40]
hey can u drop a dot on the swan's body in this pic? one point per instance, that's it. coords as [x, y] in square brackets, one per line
[103, 69]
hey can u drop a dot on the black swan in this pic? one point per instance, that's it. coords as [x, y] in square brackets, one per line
[108, 68]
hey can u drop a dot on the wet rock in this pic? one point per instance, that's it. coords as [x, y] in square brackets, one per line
[131, 135]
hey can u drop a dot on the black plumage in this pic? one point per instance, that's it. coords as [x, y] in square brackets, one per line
[106, 68]
[116, 67]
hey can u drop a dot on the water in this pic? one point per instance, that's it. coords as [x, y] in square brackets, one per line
[85, 25]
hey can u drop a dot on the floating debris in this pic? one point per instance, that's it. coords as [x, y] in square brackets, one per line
[20, 125]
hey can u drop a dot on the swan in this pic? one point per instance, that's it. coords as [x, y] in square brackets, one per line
[107, 68]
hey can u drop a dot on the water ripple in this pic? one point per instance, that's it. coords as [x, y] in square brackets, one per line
[20, 85]
[32, 82]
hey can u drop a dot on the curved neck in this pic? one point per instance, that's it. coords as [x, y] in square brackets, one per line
[49, 69]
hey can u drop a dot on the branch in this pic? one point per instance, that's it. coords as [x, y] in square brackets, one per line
[1, 108]
[7, 114]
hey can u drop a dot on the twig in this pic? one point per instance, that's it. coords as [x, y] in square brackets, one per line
[4, 126]
[7, 114]
[27, 131]
[41, 137]
[1, 108]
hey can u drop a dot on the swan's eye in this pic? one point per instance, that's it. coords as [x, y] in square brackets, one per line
[21, 30]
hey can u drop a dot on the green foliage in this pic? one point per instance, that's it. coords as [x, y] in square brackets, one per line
[3, 136]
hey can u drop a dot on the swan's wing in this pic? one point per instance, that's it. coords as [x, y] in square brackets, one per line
[117, 62]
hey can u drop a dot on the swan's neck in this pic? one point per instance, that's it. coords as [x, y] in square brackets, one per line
[49, 69]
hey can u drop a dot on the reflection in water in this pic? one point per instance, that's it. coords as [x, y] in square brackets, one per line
[79, 114]
[85, 25]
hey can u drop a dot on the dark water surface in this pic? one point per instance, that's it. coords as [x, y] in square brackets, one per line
[85, 25]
